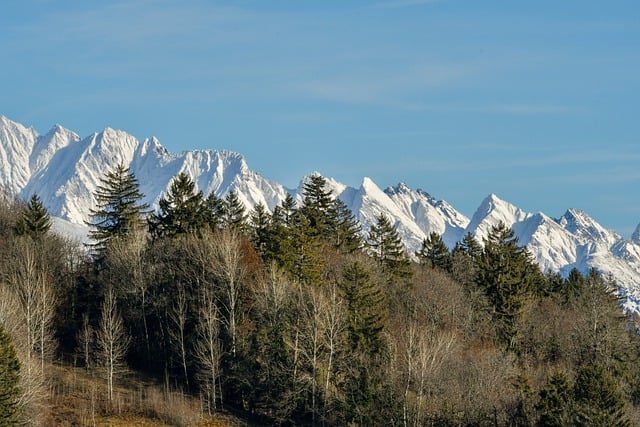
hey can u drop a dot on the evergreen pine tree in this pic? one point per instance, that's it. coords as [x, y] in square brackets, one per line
[35, 219]
[367, 309]
[344, 228]
[434, 253]
[316, 206]
[234, 212]
[574, 286]
[306, 257]
[280, 245]
[599, 401]
[469, 246]
[181, 210]
[9, 380]
[118, 207]
[556, 402]
[213, 211]
[386, 247]
[505, 274]
[260, 228]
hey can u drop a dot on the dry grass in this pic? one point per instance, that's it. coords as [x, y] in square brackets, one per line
[80, 399]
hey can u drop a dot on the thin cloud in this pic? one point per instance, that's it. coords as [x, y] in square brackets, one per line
[386, 86]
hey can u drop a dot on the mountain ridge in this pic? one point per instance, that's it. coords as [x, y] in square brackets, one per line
[65, 169]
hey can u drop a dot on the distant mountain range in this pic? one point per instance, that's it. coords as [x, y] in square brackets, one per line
[64, 170]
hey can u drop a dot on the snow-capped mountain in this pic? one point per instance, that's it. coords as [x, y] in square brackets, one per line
[65, 169]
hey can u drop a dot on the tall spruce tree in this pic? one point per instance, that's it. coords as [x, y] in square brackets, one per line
[260, 228]
[35, 220]
[505, 273]
[316, 206]
[469, 246]
[118, 207]
[280, 245]
[434, 253]
[182, 210]
[367, 309]
[214, 211]
[306, 254]
[599, 401]
[344, 228]
[234, 212]
[556, 402]
[386, 247]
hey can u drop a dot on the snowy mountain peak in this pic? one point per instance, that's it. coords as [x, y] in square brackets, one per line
[65, 171]
[371, 189]
[491, 211]
[401, 188]
[48, 145]
[152, 145]
[586, 228]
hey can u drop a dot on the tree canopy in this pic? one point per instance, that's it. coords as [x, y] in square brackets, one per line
[119, 208]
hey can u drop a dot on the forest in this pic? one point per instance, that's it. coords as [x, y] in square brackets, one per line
[300, 317]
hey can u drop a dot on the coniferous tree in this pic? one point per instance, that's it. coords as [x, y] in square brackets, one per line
[286, 211]
[345, 228]
[9, 380]
[574, 285]
[469, 246]
[505, 273]
[234, 212]
[260, 228]
[306, 256]
[118, 207]
[556, 402]
[35, 220]
[367, 309]
[464, 262]
[214, 211]
[181, 211]
[280, 247]
[386, 247]
[434, 253]
[367, 312]
[598, 399]
[316, 205]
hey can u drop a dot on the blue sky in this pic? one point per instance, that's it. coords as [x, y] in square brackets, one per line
[535, 101]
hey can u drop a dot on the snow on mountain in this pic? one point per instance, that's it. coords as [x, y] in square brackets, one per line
[430, 214]
[15, 150]
[491, 211]
[573, 241]
[369, 201]
[65, 171]
[49, 145]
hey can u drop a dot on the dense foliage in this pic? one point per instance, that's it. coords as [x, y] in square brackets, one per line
[9, 379]
[298, 316]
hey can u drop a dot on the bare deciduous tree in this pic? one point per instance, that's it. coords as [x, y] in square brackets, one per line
[125, 255]
[208, 350]
[31, 284]
[112, 340]
[32, 379]
[230, 271]
[334, 319]
[179, 315]
[84, 341]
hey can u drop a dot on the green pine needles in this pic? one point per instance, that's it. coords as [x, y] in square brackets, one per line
[9, 380]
